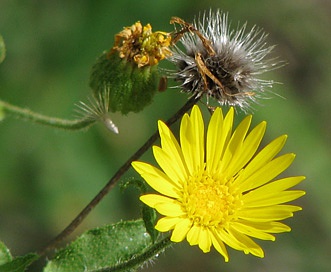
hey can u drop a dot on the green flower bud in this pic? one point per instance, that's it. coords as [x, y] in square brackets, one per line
[130, 88]
[129, 70]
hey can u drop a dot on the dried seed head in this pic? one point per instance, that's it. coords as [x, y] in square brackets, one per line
[221, 63]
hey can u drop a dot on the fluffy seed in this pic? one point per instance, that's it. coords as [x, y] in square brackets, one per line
[219, 62]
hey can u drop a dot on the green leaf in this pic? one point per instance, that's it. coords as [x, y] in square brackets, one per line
[8, 264]
[102, 247]
[2, 49]
[148, 214]
[149, 217]
[19, 264]
[5, 255]
[133, 182]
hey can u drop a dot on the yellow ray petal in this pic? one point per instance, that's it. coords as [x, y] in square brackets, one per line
[228, 239]
[272, 198]
[215, 143]
[167, 223]
[168, 141]
[173, 168]
[249, 245]
[153, 199]
[247, 150]
[197, 126]
[156, 179]
[251, 231]
[265, 214]
[275, 186]
[185, 143]
[181, 230]
[204, 240]
[235, 142]
[171, 147]
[193, 235]
[270, 227]
[164, 205]
[219, 246]
[262, 158]
[170, 208]
[192, 140]
[269, 171]
[227, 128]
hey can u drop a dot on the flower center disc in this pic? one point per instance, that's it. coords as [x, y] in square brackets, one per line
[209, 201]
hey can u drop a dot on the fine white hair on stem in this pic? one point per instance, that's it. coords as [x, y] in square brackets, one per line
[225, 64]
[97, 108]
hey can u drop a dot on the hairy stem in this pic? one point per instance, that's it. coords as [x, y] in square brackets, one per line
[81, 216]
[43, 119]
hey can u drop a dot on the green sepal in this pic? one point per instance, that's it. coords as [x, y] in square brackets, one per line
[102, 247]
[131, 88]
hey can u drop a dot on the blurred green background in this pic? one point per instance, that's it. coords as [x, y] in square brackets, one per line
[47, 176]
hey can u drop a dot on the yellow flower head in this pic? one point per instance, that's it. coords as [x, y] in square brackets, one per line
[141, 45]
[224, 192]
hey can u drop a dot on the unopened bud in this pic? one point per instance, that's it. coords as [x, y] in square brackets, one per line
[129, 70]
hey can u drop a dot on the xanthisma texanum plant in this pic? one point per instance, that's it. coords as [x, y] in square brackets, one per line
[215, 187]
[221, 63]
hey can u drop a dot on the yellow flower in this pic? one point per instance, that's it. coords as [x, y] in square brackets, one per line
[222, 193]
[141, 45]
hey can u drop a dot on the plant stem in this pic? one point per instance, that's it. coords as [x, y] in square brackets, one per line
[81, 216]
[45, 120]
